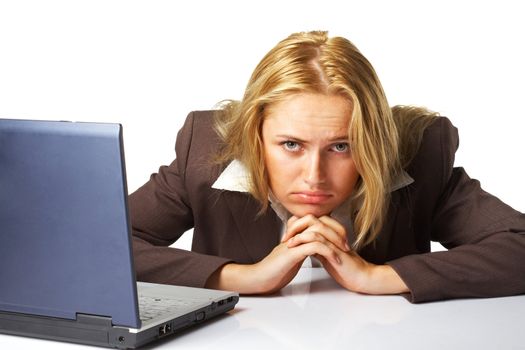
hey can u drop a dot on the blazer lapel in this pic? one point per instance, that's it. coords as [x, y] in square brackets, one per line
[259, 234]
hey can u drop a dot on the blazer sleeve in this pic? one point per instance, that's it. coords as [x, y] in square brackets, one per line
[160, 213]
[485, 238]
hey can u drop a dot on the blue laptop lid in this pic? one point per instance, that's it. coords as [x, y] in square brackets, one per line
[65, 244]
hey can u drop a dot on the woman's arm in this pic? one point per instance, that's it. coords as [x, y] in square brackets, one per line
[485, 237]
[160, 212]
[159, 216]
[486, 242]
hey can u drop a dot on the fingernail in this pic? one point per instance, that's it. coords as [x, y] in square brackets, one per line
[347, 247]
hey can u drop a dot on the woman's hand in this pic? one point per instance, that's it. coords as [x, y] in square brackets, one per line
[321, 237]
[309, 228]
[350, 270]
[272, 273]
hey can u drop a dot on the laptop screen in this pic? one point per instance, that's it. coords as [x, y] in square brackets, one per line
[65, 243]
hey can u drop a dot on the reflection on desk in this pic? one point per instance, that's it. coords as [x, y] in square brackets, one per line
[314, 312]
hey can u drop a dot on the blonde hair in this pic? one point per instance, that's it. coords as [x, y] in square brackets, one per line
[314, 63]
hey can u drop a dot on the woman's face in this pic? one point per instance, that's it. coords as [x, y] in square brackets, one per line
[307, 153]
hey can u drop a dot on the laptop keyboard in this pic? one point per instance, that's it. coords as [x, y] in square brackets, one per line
[150, 307]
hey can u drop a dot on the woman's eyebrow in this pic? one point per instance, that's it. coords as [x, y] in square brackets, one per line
[341, 138]
[338, 138]
[290, 137]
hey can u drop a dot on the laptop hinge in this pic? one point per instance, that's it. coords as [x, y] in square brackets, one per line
[94, 320]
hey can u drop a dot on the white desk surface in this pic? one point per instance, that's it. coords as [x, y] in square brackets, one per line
[314, 312]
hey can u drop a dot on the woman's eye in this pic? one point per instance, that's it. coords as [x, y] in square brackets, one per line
[291, 145]
[340, 147]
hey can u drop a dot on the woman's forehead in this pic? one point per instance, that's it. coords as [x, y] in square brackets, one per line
[308, 117]
[318, 109]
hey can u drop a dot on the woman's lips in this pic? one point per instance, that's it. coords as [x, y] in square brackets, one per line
[307, 197]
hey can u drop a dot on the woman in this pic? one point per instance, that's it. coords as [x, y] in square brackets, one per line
[314, 163]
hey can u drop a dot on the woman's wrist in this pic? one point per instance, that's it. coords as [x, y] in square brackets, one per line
[235, 277]
[383, 279]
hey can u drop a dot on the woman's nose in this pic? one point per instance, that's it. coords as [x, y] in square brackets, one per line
[313, 171]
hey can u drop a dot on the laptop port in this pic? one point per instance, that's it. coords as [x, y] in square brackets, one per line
[165, 329]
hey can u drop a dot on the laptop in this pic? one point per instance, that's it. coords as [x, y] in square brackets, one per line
[66, 260]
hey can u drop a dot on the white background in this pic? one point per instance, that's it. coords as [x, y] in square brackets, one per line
[146, 64]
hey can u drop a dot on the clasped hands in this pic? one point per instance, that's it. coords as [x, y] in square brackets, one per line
[323, 238]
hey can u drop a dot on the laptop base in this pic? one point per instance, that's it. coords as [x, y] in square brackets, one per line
[99, 331]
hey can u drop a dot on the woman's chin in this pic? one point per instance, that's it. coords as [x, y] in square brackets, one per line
[303, 210]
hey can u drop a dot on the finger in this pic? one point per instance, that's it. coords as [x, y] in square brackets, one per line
[292, 219]
[297, 225]
[338, 228]
[326, 251]
[333, 224]
[289, 223]
[306, 237]
[336, 237]
[316, 224]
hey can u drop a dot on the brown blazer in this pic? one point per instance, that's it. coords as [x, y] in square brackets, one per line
[486, 237]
